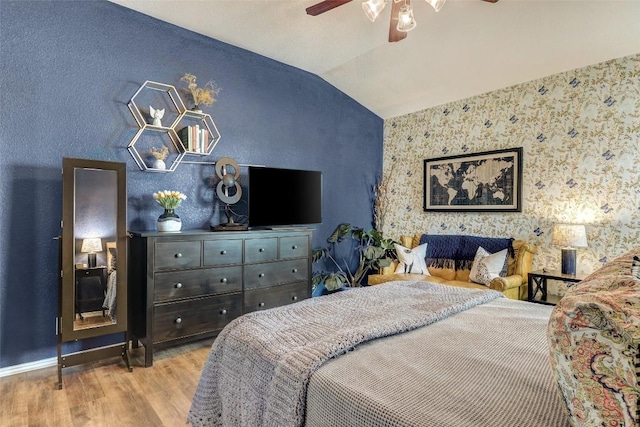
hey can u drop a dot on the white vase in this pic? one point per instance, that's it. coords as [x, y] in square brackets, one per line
[158, 164]
[169, 221]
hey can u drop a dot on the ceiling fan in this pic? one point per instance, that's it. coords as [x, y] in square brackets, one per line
[401, 13]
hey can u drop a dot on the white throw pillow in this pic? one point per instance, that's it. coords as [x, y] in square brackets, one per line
[412, 260]
[486, 266]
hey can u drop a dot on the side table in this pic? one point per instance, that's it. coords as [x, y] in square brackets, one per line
[537, 283]
[91, 285]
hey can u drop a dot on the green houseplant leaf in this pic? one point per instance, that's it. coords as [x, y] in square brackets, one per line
[371, 251]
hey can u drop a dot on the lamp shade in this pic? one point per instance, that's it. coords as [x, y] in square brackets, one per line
[569, 235]
[372, 8]
[405, 19]
[436, 4]
[91, 245]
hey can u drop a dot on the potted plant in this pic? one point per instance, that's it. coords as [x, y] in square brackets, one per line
[205, 95]
[368, 252]
[157, 157]
[169, 200]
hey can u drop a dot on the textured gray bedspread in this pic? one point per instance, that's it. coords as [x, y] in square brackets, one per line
[485, 367]
[260, 364]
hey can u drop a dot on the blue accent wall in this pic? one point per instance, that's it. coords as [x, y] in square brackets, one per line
[67, 71]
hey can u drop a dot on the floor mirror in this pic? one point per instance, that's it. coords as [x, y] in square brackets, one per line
[93, 260]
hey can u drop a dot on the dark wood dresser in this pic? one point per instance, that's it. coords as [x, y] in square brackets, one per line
[188, 285]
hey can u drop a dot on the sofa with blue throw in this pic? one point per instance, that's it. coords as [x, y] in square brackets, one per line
[450, 259]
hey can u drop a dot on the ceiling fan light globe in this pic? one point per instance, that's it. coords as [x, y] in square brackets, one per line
[436, 4]
[372, 8]
[406, 22]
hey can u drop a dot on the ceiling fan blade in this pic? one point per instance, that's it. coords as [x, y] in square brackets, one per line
[325, 6]
[394, 34]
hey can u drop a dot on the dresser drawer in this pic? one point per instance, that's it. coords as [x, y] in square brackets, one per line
[275, 273]
[192, 317]
[172, 255]
[192, 283]
[222, 252]
[294, 247]
[262, 299]
[258, 250]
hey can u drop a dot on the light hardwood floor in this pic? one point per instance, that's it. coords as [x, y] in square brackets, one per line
[105, 393]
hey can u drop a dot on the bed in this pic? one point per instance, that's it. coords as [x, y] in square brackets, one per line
[401, 354]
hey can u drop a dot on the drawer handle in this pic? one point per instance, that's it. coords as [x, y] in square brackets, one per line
[223, 252]
[294, 247]
[179, 320]
[223, 311]
[223, 280]
[261, 304]
[261, 275]
[178, 285]
[295, 270]
[178, 255]
[261, 250]
[294, 298]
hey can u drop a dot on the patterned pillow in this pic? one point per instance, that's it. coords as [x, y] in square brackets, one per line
[486, 266]
[412, 260]
[635, 267]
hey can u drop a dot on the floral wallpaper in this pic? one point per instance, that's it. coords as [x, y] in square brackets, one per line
[580, 132]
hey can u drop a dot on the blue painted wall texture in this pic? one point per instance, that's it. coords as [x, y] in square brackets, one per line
[68, 70]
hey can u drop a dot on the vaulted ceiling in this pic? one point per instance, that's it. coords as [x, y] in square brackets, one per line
[468, 48]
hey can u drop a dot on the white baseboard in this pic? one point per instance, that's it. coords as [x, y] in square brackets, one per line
[26, 367]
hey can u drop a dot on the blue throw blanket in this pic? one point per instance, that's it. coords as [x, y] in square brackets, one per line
[458, 251]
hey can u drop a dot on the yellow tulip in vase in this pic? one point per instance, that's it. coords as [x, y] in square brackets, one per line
[169, 200]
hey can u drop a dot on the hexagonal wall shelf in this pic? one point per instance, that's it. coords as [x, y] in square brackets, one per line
[147, 140]
[160, 96]
[203, 139]
[157, 137]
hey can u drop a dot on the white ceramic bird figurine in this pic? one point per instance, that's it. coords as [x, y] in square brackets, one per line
[156, 115]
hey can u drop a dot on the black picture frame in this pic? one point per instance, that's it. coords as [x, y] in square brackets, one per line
[494, 178]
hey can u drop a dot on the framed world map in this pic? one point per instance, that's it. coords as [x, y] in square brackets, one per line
[482, 182]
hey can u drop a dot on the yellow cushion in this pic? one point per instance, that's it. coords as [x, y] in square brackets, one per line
[408, 242]
[445, 273]
[462, 275]
[377, 279]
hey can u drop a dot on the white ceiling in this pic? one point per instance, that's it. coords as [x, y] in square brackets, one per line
[468, 48]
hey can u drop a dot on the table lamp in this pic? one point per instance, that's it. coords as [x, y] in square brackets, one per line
[569, 237]
[91, 246]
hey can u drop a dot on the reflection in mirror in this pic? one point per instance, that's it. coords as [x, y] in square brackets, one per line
[95, 254]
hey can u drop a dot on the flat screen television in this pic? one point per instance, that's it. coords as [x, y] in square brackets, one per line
[282, 197]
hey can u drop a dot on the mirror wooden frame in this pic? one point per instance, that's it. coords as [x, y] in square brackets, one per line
[66, 303]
